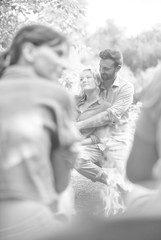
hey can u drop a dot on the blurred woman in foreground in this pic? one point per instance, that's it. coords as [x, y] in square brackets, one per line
[37, 133]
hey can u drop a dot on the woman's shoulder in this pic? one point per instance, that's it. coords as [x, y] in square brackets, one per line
[79, 100]
[104, 102]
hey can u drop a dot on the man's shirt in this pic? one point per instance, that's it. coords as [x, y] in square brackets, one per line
[120, 95]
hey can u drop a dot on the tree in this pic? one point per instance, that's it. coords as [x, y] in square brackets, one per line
[109, 36]
[143, 51]
[106, 37]
[140, 52]
[64, 15]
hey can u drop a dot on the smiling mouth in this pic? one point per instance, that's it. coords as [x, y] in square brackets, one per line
[103, 75]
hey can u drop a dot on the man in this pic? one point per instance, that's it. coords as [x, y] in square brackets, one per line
[119, 93]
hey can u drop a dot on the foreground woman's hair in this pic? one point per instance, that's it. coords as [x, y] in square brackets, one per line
[37, 35]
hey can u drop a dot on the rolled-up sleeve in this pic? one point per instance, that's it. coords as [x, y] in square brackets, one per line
[122, 103]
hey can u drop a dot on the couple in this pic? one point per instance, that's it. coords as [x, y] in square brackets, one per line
[102, 118]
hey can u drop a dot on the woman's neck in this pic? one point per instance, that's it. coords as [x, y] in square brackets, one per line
[92, 95]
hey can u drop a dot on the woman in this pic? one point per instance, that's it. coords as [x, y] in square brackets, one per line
[37, 133]
[89, 104]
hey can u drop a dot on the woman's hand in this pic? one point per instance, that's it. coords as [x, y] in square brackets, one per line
[86, 141]
[78, 125]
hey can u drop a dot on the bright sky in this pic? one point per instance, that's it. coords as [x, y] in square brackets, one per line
[135, 15]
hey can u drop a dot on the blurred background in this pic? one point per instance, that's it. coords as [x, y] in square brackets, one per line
[134, 27]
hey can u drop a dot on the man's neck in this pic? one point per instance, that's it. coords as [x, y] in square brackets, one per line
[108, 84]
[91, 95]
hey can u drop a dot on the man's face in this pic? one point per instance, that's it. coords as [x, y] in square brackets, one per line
[107, 69]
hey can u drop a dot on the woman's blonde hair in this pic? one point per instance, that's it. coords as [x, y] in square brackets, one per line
[81, 98]
[95, 75]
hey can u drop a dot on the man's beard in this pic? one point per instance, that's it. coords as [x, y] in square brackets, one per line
[105, 77]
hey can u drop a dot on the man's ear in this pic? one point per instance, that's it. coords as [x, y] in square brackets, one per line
[118, 68]
[28, 50]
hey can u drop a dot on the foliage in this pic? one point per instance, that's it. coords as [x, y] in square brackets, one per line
[144, 79]
[143, 51]
[140, 52]
[70, 80]
[108, 36]
[13, 13]
[64, 15]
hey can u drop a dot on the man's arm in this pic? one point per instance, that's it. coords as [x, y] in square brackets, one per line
[112, 114]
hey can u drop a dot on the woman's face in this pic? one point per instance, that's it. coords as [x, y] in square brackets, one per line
[87, 81]
[49, 61]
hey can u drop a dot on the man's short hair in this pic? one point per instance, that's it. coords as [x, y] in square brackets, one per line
[115, 55]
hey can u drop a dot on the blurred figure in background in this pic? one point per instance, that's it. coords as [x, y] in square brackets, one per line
[143, 166]
[37, 134]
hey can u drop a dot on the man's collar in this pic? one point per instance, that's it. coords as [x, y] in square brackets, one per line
[116, 83]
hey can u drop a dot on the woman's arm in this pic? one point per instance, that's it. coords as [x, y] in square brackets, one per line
[93, 139]
[86, 141]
